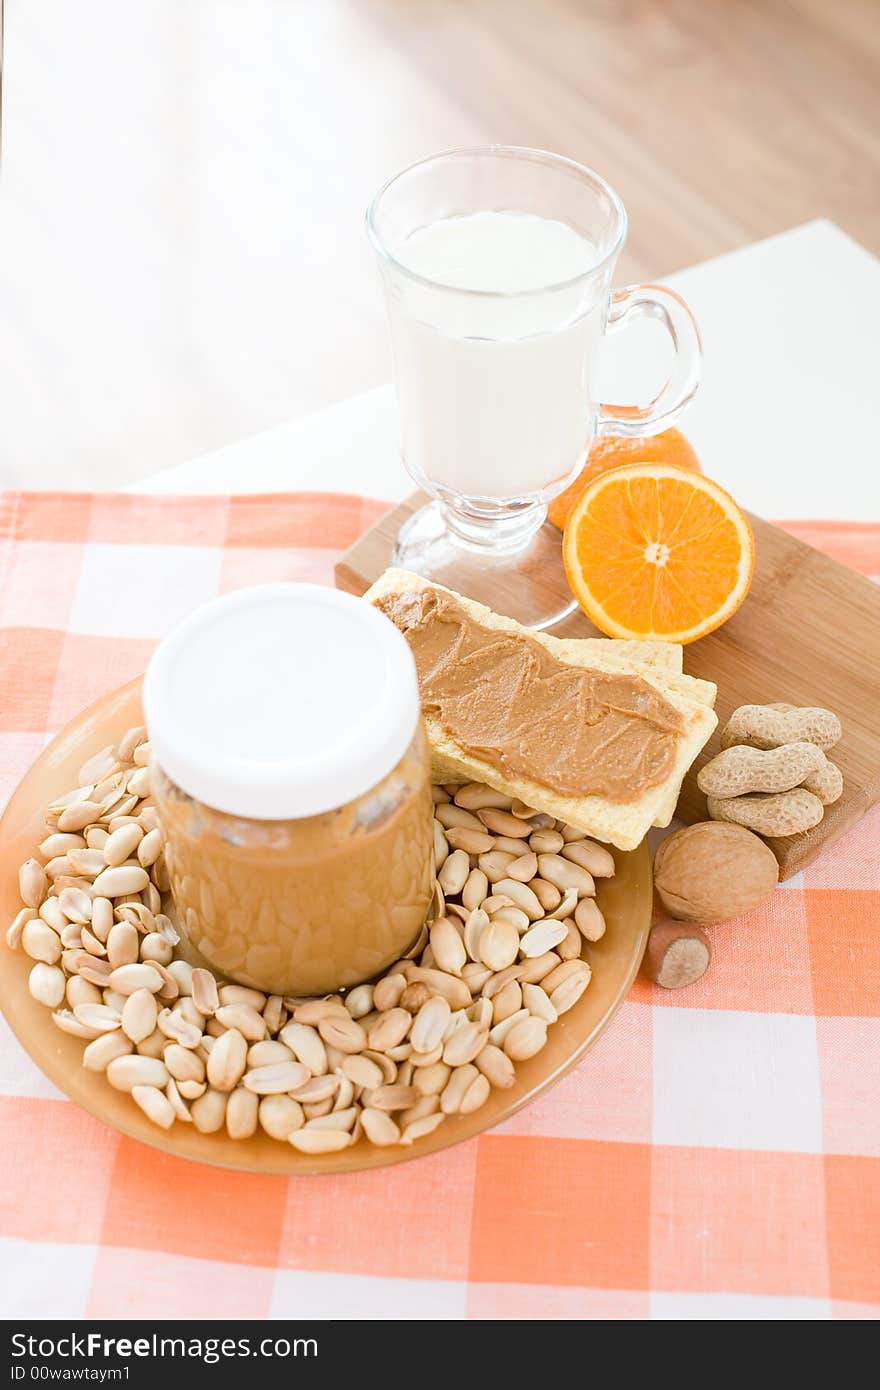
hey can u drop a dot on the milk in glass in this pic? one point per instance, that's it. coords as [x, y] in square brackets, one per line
[494, 386]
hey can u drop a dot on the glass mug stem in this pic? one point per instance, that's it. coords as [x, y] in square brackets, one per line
[467, 549]
[505, 529]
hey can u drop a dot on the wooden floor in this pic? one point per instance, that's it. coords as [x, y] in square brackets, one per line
[182, 260]
[719, 121]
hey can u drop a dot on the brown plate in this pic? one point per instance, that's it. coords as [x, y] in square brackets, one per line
[625, 900]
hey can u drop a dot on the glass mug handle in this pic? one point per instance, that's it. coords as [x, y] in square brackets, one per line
[655, 302]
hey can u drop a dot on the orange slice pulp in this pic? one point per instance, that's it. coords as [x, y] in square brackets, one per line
[655, 551]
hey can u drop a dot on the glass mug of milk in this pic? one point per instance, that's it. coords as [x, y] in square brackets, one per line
[497, 267]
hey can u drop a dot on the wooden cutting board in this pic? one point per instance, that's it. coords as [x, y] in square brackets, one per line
[808, 634]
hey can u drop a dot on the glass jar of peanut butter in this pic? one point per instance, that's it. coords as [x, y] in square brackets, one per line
[291, 775]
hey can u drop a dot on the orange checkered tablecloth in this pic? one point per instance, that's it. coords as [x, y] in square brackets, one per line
[716, 1155]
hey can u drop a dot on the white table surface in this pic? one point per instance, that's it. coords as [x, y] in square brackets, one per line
[787, 416]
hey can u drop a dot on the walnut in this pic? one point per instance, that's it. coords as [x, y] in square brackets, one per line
[712, 871]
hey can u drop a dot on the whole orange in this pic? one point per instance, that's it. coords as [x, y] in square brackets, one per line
[616, 451]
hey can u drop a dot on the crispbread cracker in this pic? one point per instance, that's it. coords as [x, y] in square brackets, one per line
[621, 824]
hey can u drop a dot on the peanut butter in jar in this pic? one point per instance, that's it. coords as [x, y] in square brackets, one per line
[291, 774]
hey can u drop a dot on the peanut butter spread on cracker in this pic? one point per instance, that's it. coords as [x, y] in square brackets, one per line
[504, 697]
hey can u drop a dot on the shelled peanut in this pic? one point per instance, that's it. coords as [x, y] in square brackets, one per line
[498, 963]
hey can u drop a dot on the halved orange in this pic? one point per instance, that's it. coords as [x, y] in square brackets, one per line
[655, 551]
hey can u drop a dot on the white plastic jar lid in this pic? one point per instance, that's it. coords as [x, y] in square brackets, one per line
[281, 701]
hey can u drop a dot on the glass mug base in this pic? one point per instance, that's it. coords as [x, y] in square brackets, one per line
[513, 567]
